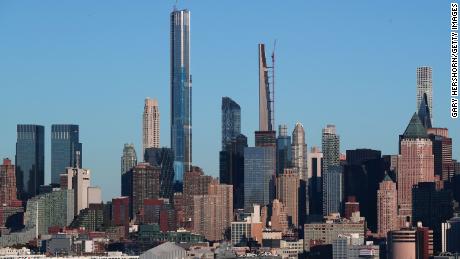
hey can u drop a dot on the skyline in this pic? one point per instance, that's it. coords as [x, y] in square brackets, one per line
[102, 152]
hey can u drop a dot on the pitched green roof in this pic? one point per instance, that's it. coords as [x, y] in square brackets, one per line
[415, 129]
[387, 177]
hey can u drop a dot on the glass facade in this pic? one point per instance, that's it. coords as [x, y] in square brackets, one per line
[231, 120]
[181, 92]
[259, 170]
[163, 158]
[30, 160]
[64, 148]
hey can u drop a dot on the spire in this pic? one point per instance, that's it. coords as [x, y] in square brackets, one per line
[415, 129]
[424, 112]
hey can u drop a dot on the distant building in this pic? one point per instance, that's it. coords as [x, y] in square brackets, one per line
[8, 196]
[279, 220]
[333, 190]
[283, 150]
[250, 228]
[150, 125]
[231, 167]
[163, 158]
[287, 192]
[415, 164]
[195, 183]
[146, 185]
[431, 207]
[90, 218]
[442, 152]
[387, 207]
[128, 159]
[78, 180]
[30, 160]
[450, 234]
[213, 212]
[120, 211]
[231, 121]
[325, 232]
[425, 86]
[259, 170]
[315, 182]
[66, 149]
[410, 243]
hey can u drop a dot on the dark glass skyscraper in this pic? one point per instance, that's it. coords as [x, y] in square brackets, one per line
[66, 150]
[164, 159]
[181, 92]
[231, 120]
[283, 150]
[30, 160]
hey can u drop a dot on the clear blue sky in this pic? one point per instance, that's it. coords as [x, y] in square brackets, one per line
[92, 63]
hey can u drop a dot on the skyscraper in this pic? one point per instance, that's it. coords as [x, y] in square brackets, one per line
[283, 150]
[129, 158]
[150, 125]
[330, 147]
[30, 160]
[333, 190]
[259, 168]
[181, 92]
[332, 171]
[163, 158]
[387, 207]
[287, 192]
[66, 150]
[299, 151]
[415, 164]
[231, 168]
[314, 166]
[7, 184]
[146, 185]
[78, 180]
[266, 105]
[425, 86]
[231, 120]
[442, 151]
[424, 112]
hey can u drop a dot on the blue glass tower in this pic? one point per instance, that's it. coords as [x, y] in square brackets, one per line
[231, 120]
[66, 151]
[30, 160]
[259, 170]
[181, 93]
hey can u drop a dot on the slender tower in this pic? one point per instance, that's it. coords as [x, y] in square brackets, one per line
[181, 92]
[425, 86]
[150, 125]
[299, 151]
[266, 91]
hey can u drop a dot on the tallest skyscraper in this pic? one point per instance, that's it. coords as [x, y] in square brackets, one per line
[181, 92]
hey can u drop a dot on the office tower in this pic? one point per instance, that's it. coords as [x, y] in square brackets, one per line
[299, 151]
[333, 190]
[425, 86]
[231, 120]
[266, 91]
[213, 212]
[259, 168]
[145, 185]
[330, 147]
[324, 233]
[54, 209]
[195, 183]
[410, 242]
[363, 173]
[442, 151]
[231, 168]
[431, 207]
[287, 191]
[181, 92]
[451, 235]
[79, 180]
[66, 150]
[163, 158]
[314, 166]
[8, 196]
[387, 207]
[283, 150]
[128, 159]
[30, 160]
[424, 112]
[415, 164]
[150, 124]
